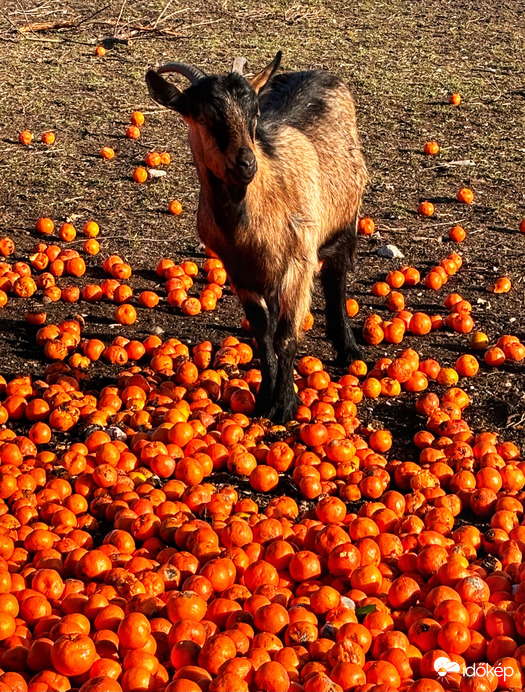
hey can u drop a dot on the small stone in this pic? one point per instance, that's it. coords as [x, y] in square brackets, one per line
[390, 252]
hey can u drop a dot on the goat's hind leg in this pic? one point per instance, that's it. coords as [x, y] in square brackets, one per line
[336, 265]
[262, 317]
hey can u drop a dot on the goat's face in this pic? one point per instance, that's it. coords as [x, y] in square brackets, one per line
[221, 112]
[222, 118]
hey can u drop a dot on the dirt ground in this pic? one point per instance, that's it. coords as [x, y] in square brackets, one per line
[403, 58]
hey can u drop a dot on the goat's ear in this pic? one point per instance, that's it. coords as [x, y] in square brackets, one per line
[259, 81]
[165, 93]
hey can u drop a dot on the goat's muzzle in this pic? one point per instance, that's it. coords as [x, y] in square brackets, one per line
[242, 171]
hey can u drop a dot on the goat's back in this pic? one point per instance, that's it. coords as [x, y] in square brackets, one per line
[312, 102]
[297, 99]
[311, 117]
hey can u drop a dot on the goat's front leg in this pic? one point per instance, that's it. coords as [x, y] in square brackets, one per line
[285, 400]
[295, 302]
[262, 316]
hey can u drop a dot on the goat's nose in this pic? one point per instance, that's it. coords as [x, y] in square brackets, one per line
[246, 158]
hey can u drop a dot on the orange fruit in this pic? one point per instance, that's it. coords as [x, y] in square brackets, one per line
[352, 307]
[91, 246]
[125, 314]
[7, 246]
[380, 288]
[107, 153]
[431, 148]
[73, 654]
[25, 137]
[137, 118]
[478, 341]
[133, 132]
[433, 280]
[501, 285]
[191, 306]
[152, 159]
[67, 232]
[45, 225]
[91, 229]
[366, 226]
[48, 137]
[494, 356]
[420, 323]
[175, 207]
[426, 209]
[457, 234]
[467, 365]
[140, 174]
[465, 195]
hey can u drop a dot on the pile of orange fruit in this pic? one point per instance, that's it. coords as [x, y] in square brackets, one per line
[165, 543]
[156, 537]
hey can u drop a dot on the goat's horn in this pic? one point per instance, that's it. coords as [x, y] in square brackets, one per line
[239, 64]
[189, 71]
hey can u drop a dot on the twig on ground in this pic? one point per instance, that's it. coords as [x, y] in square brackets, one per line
[45, 151]
[403, 229]
[161, 13]
[91, 16]
[44, 26]
[493, 70]
[449, 164]
[515, 424]
[119, 17]
[172, 14]
[25, 15]
[10, 22]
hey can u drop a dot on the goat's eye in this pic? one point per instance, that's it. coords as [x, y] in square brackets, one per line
[201, 120]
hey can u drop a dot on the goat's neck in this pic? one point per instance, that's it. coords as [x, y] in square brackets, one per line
[226, 203]
[231, 205]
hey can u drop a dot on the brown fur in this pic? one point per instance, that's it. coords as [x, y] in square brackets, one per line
[295, 203]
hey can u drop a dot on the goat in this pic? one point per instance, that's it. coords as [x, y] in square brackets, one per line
[282, 177]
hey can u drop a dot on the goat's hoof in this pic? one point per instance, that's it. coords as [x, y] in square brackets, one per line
[280, 412]
[285, 411]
